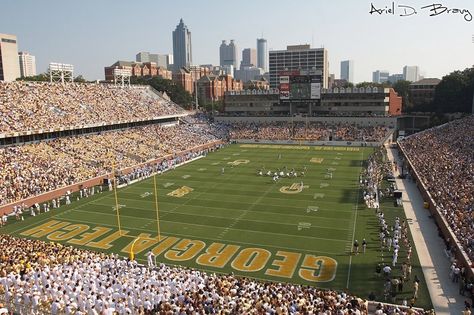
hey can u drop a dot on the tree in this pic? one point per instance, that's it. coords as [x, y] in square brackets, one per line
[175, 91]
[401, 87]
[348, 85]
[43, 77]
[455, 92]
[79, 79]
[366, 84]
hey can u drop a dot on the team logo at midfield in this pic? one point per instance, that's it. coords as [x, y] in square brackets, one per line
[316, 160]
[295, 188]
[238, 162]
[180, 192]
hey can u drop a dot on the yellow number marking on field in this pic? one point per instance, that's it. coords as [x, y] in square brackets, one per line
[317, 160]
[180, 192]
[238, 162]
[295, 188]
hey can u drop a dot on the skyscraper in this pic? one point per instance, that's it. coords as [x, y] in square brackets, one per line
[27, 64]
[228, 54]
[249, 58]
[182, 49]
[411, 73]
[262, 54]
[9, 65]
[347, 70]
[160, 60]
[380, 76]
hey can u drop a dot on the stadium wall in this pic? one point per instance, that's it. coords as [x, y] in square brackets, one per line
[309, 142]
[390, 122]
[47, 196]
[440, 221]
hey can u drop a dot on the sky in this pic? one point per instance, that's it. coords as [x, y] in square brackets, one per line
[92, 34]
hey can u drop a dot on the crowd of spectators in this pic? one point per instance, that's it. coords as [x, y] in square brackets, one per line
[311, 131]
[32, 105]
[52, 278]
[31, 169]
[443, 157]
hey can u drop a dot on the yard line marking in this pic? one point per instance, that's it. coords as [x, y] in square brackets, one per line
[230, 226]
[214, 239]
[354, 227]
[320, 217]
[329, 203]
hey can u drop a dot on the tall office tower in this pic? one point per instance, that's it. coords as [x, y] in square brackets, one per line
[228, 54]
[380, 76]
[169, 60]
[411, 73]
[143, 56]
[347, 70]
[27, 64]
[160, 60]
[9, 65]
[299, 58]
[249, 58]
[262, 54]
[182, 49]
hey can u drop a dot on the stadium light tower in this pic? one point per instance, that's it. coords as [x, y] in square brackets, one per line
[61, 72]
[122, 76]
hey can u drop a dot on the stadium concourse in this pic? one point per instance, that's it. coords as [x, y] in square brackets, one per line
[37, 276]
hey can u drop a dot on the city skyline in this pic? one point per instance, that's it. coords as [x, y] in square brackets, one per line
[346, 29]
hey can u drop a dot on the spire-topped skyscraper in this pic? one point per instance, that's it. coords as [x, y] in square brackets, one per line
[182, 49]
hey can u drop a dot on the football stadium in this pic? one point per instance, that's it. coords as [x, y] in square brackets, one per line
[272, 205]
[184, 189]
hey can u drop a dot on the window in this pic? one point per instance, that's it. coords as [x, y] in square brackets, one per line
[6, 40]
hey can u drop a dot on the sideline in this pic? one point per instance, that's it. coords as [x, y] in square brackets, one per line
[444, 293]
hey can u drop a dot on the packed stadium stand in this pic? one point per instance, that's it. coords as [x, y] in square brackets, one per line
[443, 158]
[28, 105]
[311, 131]
[48, 278]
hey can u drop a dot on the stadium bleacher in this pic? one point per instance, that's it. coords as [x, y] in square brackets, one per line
[443, 158]
[26, 106]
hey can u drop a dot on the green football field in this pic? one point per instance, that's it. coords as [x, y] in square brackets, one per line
[217, 214]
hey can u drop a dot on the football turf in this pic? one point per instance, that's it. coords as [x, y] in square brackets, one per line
[217, 214]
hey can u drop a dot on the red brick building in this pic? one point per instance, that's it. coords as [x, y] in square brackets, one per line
[184, 78]
[138, 69]
[212, 87]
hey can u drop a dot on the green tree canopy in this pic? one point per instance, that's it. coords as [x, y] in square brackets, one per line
[175, 91]
[401, 87]
[366, 84]
[455, 92]
[43, 77]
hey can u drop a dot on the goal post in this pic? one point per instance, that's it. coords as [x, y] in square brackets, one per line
[118, 215]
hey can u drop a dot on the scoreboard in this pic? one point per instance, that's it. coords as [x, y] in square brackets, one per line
[297, 85]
